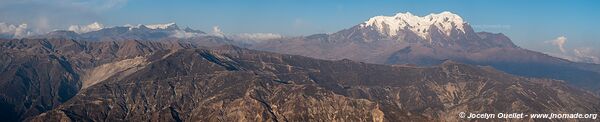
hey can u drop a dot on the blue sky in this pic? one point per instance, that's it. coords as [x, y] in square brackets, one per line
[530, 23]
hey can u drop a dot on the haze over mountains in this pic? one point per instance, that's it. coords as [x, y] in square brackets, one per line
[400, 67]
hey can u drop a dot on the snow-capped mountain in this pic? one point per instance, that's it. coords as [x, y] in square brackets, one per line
[166, 26]
[399, 39]
[443, 29]
[429, 40]
[445, 22]
[162, 26]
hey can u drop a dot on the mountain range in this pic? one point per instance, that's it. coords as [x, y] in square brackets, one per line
[154, 32]
[424, 41]
[388, 68]
[56, 80]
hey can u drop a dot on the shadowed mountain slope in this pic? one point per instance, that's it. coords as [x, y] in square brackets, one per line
[231, 84]
[38, 74]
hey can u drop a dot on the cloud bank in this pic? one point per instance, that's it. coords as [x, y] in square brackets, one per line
[84, 29]
[216, 31]
[20, 31]
[586, 54]
[184, 34]
[14, 31]
[255, 37]
[579, 54]
[246, 37]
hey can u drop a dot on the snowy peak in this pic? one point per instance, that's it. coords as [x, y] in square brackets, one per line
[161, 26]
[154, 26]
[390, 25]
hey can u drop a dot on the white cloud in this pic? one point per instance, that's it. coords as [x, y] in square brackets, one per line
[580, 54]
[160, 26]
[217, 31]
[246, 37]
[15, 31]
[183, 34]
[586, 54]
[88, 28]
[259, 36]
[560, 42]
[255, 37]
